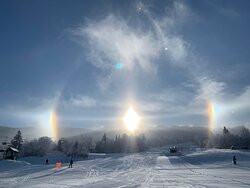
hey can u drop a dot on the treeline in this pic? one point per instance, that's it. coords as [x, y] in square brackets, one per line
[44, 145]
[76, 147]
[81, 146]
[122, 144]
[35, 147]
[175, 135]
[235, 140]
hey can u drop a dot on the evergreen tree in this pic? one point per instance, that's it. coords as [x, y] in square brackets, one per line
[104, 138]
[225, 131]
[16, 142]
[59, 145]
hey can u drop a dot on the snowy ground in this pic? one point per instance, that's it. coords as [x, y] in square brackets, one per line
[212, 168]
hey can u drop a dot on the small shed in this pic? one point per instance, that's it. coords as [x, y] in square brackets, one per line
[11, 153]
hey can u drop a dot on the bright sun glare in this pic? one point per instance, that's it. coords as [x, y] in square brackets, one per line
[131, 119]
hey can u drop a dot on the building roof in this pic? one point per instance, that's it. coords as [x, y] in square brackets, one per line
[13, 149]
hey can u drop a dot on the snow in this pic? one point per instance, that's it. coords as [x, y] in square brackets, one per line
[14, 149]
[210, 168]
[52, 157]
[6, 165]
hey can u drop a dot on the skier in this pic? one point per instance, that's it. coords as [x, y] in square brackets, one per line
[47, 161]
[234, 160]
[71, 163]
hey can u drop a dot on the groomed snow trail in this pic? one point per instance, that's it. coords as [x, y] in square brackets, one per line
[131, 170]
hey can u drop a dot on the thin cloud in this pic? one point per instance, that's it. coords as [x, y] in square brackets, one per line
[113, 41]
[165, 30]
[83, 101]
[210, 89]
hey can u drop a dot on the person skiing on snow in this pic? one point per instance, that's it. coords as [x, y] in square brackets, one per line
[47, 161]
[234, 160]
[71, 163]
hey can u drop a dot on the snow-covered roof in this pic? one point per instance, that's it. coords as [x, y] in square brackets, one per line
[14, 149]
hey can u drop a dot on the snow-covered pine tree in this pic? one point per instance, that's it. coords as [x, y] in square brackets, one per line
[16, 142]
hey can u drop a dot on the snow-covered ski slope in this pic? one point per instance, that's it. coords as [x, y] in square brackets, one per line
[212, 168]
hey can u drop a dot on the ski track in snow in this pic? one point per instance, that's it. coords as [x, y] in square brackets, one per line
[128, 171]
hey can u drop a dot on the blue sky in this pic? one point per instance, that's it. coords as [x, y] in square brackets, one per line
[176, 57]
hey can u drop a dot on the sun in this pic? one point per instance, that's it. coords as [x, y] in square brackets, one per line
[131, 119]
